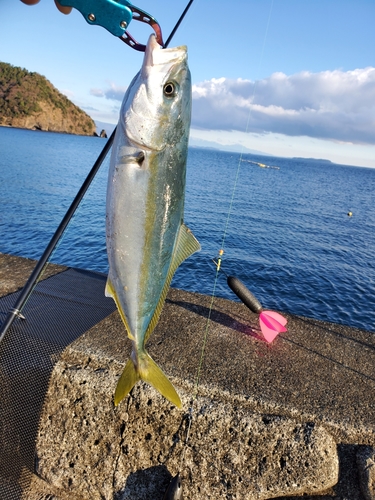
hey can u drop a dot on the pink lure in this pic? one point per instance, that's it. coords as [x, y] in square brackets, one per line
[271, 324]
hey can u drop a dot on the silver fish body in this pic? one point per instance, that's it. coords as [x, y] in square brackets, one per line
[146, 237]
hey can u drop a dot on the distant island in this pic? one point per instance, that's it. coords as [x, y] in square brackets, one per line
[321, 160]
[28, 100]
[230, 148]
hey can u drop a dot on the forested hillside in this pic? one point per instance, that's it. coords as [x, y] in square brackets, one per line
[29, 100]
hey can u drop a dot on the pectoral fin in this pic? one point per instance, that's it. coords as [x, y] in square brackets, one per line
[135, 159]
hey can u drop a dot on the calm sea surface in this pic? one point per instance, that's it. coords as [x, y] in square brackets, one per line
[289, 238]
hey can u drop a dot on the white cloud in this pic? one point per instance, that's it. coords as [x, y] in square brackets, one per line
[333, 105]
[115, 92]
[97, 92]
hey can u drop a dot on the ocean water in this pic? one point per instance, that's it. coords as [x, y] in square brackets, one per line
[285, 232]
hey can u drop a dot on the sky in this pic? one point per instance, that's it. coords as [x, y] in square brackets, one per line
[284, 77]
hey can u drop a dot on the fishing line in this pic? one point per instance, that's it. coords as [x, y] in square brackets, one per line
[221, 251]
[246, 131]
[189, 416]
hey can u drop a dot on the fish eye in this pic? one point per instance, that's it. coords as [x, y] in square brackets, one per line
[169, 89]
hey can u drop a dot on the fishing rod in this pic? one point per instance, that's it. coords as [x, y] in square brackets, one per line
[16, 310]
[178, 24]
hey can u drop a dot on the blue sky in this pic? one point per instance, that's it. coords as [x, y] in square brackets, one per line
[286, 77]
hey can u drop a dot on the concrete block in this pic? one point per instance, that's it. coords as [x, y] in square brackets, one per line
[93, 450]
[268, 420]
[366, 469]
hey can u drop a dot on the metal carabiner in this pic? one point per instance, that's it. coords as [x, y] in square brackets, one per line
[143, 17]
[115, 16]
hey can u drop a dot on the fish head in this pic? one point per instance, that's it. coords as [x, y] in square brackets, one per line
[157, 108]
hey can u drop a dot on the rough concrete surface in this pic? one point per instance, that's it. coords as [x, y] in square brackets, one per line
[231, 452]
[14, 272]
[317, 377]
[366, 467]
[268, 421]
[41, 490]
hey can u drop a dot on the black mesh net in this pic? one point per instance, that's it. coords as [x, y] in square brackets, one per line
[60, 309]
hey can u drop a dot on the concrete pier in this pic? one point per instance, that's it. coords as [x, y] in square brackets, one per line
[293, 418]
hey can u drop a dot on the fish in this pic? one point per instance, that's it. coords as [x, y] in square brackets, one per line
[146, 236]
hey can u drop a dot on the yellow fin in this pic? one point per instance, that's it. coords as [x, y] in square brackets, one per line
[150, 372]
[128, 379]
[186, 245]
[111, 292]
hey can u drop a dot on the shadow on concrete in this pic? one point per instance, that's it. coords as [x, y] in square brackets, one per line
[220, 318]
[328, 358]
[230, 321]
[145, 484]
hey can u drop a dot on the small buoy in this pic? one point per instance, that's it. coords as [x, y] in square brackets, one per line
[271, 322]
[174, 491]
[350, 214]
[244, 294]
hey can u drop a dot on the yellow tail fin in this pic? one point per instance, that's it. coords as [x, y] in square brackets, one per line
[149, 372]
[127, 381]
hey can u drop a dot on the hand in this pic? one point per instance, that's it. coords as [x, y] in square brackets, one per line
[64, 10]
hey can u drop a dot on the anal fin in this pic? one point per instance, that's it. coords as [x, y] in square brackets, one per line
[111, 292]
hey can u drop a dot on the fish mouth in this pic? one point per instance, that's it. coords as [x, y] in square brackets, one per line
[156, 55]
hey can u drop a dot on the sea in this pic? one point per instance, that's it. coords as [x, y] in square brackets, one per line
[285, 231]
